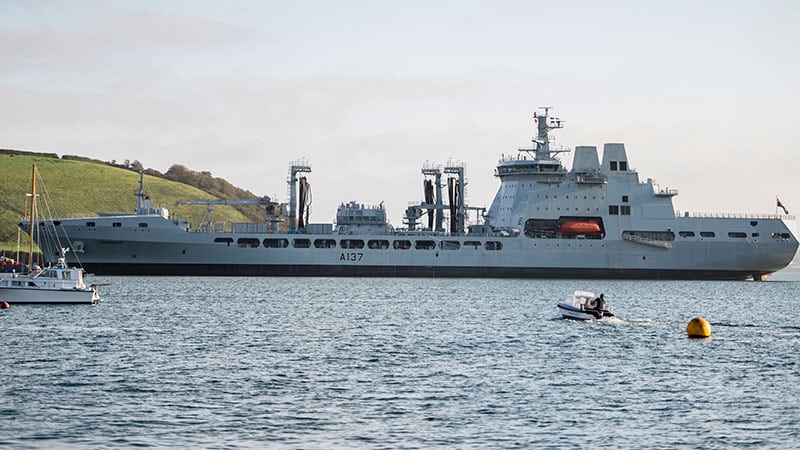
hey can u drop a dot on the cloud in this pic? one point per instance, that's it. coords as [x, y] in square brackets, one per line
[88, 49]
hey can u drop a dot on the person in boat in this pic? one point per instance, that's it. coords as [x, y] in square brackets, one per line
[600, 302]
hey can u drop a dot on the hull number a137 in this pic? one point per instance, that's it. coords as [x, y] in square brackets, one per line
[353, 256]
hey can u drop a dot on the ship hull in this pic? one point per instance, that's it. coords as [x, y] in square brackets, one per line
[152, 245]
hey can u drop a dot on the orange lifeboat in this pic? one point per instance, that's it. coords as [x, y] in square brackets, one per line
[579, 227]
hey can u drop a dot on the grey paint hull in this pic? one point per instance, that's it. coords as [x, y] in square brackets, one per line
[164, 249]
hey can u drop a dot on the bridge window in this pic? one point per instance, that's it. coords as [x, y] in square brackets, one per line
[90, 224]
[116, 224]
[686, 234]
[142, 224]
[737, 234]
[707, 234]
[613, 210]
[474, 244]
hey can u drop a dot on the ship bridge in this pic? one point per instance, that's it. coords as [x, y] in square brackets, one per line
[540, 158]
[524, 166]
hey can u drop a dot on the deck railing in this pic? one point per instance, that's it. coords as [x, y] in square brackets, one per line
[734, 216]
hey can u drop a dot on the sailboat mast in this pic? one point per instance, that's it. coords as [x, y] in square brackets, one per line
[33, 215]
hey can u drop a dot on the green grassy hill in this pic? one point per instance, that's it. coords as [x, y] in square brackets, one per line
[82, 189]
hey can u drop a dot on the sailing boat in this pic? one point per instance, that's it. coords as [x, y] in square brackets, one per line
[59, 284]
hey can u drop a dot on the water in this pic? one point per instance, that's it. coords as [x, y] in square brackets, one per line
[402, 363]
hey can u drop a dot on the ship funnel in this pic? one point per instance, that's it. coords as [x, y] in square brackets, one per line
[614, 158]
[585, 159]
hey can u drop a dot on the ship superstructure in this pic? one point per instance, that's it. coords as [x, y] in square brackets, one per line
[595, 220]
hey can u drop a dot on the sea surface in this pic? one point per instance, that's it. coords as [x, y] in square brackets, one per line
[403, 363]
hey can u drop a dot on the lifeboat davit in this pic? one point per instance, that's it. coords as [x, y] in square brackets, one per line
[579, 227]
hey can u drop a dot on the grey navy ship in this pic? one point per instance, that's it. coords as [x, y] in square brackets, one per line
[597, 220]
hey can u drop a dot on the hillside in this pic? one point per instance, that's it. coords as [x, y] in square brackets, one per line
[78, 188]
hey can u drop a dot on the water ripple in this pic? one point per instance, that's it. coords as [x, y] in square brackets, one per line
[400, 363]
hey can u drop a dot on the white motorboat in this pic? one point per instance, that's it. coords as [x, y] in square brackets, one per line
[58, 284]
[582, 305]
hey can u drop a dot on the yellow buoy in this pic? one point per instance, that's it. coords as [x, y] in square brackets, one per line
[698, 328]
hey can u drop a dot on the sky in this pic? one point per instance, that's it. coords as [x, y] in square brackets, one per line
[705, 95]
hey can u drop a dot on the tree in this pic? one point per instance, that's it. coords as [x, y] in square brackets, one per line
[137, 166]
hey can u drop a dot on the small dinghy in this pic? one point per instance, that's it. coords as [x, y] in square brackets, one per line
[583, 305]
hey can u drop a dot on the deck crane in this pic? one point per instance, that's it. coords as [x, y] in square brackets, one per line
[272, 209]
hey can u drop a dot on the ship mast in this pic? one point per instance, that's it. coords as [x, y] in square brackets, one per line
[541, 143]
